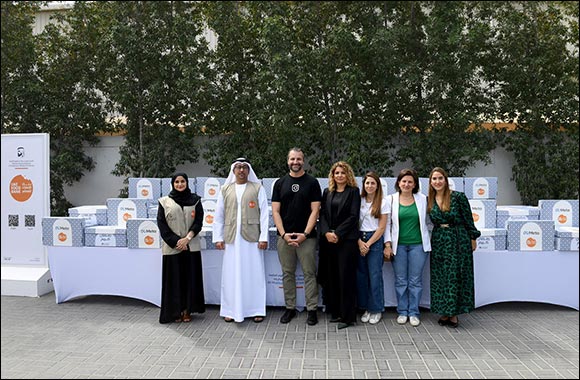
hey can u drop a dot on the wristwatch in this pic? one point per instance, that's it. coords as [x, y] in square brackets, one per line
[306, 235]
[188, 238]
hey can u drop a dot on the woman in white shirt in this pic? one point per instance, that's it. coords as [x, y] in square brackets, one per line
[372, 221]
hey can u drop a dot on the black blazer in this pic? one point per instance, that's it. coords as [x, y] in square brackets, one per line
[347, 217]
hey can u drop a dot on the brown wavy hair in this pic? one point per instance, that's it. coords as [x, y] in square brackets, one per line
[350, 180]
[446, 204]
[404, 173]
[378, 199]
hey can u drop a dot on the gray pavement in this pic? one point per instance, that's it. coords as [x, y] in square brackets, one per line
[117, 337]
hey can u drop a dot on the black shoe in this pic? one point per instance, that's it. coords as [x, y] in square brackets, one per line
[334, 319]
[343, 325]
[450, 323]
[312, 318]
[443, 322]
[289, 314]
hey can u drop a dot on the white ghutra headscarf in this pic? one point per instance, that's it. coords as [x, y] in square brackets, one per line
[251, 175]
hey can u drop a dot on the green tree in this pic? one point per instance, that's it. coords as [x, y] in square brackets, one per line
[49, 90]
[536, 73]
[156, 75]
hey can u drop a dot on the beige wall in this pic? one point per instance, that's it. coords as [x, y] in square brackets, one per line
[98, 185]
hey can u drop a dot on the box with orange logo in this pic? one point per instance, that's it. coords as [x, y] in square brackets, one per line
[63, 231]
[93, 215]
[145, 188]
[209, 207]
[567, 238]
[105, 236]
[143, 233]
[492, 239]
[530, 235]
[483, 211]
[564, 212]
[505, 213]
[119, 210]
[480, 188]
[166, 186]
[209, 187]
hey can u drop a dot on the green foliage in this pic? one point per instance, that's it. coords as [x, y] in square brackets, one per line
[536, 72]
[372, 83]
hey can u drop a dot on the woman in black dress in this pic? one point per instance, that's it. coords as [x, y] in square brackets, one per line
[180, 218]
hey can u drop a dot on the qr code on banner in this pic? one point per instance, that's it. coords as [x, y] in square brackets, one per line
[29, 220]
[12, 220]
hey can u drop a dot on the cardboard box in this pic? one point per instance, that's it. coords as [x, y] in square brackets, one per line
[106, 236]
[530, 235]
[209, 187]
[564, 212]
[567, 238]
[492, 239]
[209, 208]
[480, 188]
[63, 232]
[505, 213]
[145, 188]
[483, 211]
[119, 210]
[143, 233]
[205, 239]
[93, 215]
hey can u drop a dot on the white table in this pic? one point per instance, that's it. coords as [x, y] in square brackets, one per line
[542, 276]
[500, 276]
[81, 271]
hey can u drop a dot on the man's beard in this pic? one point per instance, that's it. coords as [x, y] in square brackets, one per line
[295, 170]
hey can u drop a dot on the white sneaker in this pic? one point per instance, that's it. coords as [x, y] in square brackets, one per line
[365, 317]
[415, 321]
[375, 318]
[402, 319]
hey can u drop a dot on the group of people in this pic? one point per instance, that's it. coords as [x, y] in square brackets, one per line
[354, 231]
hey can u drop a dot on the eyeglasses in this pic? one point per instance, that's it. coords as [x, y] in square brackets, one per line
[241, 167]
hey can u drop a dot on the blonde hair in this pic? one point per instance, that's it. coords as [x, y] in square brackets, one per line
[350, 180]
[378, 199]
[446, 204]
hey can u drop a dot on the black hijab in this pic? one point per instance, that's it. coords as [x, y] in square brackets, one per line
[185, 197]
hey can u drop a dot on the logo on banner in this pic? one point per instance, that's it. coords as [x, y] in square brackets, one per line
[20, 152]
[21, 188]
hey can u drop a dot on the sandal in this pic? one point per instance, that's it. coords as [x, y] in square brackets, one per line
[186, 317]
[228, 319]
[258, 319]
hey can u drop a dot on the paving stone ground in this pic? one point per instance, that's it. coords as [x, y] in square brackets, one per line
[120, 338]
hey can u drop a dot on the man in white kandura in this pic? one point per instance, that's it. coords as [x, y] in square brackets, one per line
[241, 228]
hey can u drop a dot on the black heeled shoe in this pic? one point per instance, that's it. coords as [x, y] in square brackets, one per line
[450, 323]
[443, 321]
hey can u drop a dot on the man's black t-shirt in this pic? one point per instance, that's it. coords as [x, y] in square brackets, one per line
[295, 196]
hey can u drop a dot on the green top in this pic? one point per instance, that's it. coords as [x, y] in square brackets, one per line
[409, 228]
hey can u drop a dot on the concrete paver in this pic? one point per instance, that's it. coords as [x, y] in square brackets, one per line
[118, 337]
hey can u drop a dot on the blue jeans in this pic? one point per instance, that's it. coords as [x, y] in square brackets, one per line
[408, 266]
[369, 277]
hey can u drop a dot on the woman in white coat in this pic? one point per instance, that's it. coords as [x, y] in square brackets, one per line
[407, 237]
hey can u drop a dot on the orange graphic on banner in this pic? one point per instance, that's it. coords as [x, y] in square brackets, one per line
[480, 191]
[211, 192]
[126, 216]
[144, 192]
[209, 219]
[149, 240]
[531, 242]
[475, 217]
[62, 236]
[562, 219]
[21, 188]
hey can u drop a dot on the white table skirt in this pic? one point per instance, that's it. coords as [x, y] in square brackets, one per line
[500, 276]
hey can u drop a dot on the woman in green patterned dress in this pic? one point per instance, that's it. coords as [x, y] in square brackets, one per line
[452, 244]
